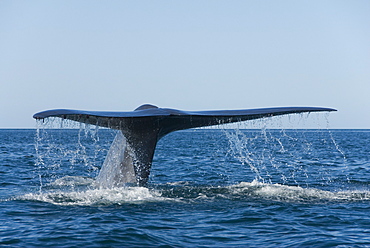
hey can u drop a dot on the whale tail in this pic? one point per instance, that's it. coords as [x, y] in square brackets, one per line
[147, 124]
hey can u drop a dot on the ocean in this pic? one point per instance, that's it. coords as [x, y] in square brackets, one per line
[207, 188]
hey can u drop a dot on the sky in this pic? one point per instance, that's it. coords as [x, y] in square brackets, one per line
[189, 55]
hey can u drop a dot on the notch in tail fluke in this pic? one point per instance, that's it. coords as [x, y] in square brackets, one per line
[144, 126]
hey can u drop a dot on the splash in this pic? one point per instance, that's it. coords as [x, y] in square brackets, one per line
[69, 148]
[278, 155]
[273, 154]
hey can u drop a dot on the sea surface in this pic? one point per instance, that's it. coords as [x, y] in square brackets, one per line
[207, 188]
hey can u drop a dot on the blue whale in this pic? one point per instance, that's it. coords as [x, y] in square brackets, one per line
[147, 124]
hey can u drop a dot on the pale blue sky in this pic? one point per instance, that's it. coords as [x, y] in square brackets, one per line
[191, 55]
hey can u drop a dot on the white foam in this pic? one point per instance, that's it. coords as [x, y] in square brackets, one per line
[83, 193]
[295, 193]
[97, 196]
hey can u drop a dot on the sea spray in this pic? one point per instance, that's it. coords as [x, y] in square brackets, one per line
[69, 148]
[278, 155]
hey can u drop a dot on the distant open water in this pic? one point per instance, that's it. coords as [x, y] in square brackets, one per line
[208, 188]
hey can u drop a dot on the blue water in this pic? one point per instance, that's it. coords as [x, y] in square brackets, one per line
[208, 188]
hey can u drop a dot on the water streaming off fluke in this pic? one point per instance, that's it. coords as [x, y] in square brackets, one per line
[117, 169]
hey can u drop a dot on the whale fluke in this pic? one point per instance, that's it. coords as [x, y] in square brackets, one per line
[147, 124]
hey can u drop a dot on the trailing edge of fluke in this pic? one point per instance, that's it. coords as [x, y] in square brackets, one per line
[144, 126]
